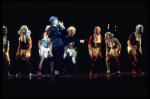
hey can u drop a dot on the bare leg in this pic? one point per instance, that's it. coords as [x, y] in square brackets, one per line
[108, 63]
[41, 62]
[6, 57]
[40, 65]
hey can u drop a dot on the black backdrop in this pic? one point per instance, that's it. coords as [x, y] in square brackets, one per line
[84, 16]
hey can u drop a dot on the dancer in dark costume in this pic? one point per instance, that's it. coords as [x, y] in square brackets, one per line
[70, 52]
[57, 43]
[135, 49]
[24, 49]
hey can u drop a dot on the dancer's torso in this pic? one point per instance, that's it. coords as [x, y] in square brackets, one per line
[111, 43]
[56, 37]
[24, 42]
[135, 40]
[45, 41]
[95, 43]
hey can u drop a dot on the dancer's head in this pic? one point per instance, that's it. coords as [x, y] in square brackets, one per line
[24, 31]
[4, 30]
[47, 29]
[108, 35]
[139, 29]
[53, 20]
[97, 30]
[71, 31]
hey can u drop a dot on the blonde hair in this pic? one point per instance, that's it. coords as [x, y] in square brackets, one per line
[4, 27]
[99, 29]
[137, 28]
[72, 28]
[28, 32]
[112, 35]
[47, 27]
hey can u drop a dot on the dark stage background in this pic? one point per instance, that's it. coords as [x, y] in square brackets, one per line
[84, 16]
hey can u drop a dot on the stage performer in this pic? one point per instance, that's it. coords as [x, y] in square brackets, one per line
[45, 50]
[24, 49]
[70, 52]
[135, 49]
[6, 51]
[113, 48]
[94, 46]
[57, 43]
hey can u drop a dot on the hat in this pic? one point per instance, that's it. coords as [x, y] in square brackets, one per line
[51, 18]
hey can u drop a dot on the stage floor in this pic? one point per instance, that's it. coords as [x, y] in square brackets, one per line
[81, 85]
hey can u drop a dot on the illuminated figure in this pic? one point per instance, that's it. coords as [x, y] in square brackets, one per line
[45, 49]
[24, 48]
[70, 50]
[94, 46]
[57, 43]
[134, 47]
[6, 50]
[113, 48]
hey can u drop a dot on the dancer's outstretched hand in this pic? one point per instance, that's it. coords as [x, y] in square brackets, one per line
[61, 25]
[82, 41]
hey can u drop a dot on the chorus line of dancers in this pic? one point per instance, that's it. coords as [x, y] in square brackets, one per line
[61, 52]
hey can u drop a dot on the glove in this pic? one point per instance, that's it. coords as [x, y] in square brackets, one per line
[65, 55]
[61, 25]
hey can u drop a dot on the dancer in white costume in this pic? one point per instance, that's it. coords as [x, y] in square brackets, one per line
[45, 50]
